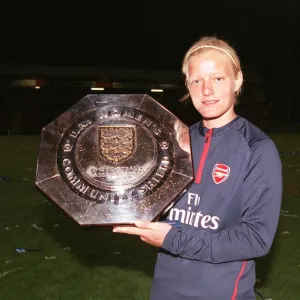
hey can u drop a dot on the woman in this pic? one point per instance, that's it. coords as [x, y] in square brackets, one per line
[230, 214]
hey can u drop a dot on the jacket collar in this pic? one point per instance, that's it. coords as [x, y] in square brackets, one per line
[220, 130]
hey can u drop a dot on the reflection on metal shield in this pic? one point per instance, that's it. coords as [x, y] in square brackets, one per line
[113, 159]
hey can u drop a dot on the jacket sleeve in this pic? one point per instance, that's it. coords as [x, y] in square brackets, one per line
[253, 236]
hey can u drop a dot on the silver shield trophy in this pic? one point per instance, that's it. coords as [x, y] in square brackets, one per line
[113, 159]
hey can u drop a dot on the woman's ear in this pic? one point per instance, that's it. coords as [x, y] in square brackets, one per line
[238, 81]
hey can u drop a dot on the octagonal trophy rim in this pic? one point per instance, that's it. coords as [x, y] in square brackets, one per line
[57, 174]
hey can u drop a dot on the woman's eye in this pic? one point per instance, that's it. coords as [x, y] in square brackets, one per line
[197, 81]
[218, 79]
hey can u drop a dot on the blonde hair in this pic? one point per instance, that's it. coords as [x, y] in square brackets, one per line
[210, 43]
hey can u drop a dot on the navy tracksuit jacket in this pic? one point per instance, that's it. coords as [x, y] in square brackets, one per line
[228, 216]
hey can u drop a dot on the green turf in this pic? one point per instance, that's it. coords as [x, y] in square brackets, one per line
[95, 264]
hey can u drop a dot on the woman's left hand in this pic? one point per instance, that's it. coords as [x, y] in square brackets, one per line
[152, 233]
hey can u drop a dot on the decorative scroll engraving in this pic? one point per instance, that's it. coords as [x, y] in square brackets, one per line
[121, 156]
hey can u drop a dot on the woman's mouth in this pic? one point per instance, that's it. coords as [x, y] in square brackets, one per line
[210, 102]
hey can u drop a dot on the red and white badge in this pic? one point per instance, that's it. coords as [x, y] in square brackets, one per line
[220, 173]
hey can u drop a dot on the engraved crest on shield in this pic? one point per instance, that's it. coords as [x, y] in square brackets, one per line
[117, 143]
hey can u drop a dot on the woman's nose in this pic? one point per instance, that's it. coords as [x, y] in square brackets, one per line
[207, 89]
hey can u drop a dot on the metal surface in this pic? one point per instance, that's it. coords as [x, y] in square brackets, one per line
[113, 159]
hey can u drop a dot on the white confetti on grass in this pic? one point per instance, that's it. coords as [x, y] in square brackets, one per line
[8, 272]
[285, 232]
[289, 215]
[36, 227]
[50, 257]
[286, 213]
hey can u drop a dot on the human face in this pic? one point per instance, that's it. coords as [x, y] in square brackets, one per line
[212, 86]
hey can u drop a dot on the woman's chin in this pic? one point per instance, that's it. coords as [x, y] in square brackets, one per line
[210, 116]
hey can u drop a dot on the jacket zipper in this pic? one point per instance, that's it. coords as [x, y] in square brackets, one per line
[203, 156]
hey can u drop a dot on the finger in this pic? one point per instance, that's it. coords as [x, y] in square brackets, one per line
[151, 225]
[143, 224]
[129, 230]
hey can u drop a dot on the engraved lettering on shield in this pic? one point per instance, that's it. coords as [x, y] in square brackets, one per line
[117, 142]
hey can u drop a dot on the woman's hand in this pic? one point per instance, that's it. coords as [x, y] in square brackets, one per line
[152, 233]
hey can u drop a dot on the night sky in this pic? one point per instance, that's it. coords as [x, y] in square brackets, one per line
[146, 34]
[152, 35]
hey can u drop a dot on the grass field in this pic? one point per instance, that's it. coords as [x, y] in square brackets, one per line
[74, 263]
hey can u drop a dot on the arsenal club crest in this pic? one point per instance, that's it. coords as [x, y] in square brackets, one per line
[220, 173]
[117, 143]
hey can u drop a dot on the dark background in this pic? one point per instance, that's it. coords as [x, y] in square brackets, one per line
[144, 35]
